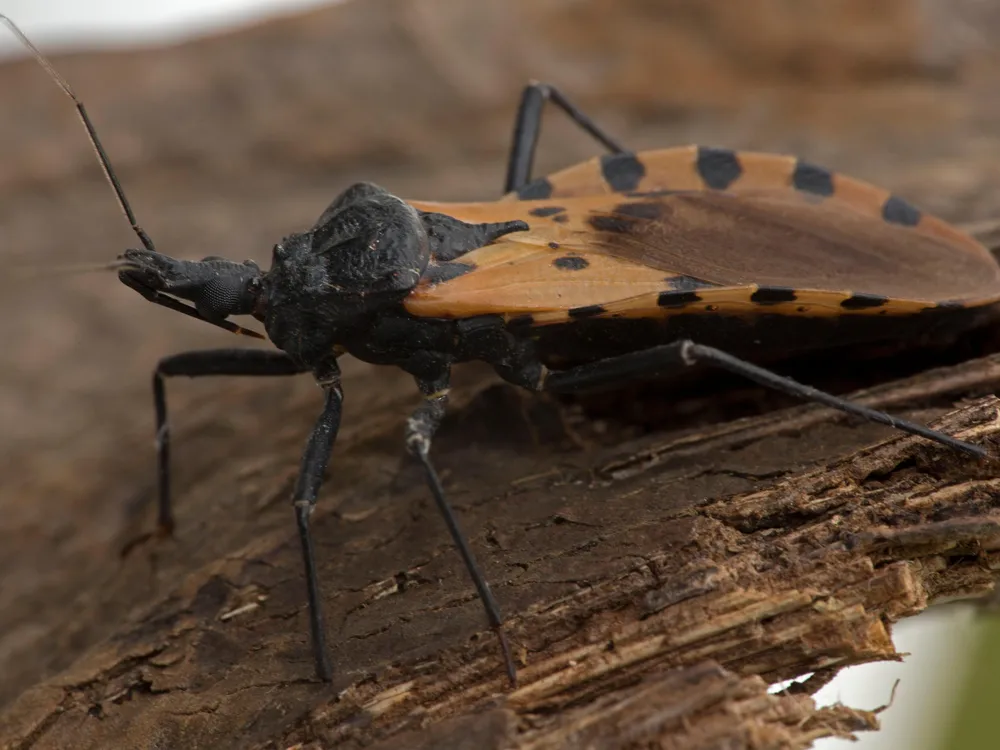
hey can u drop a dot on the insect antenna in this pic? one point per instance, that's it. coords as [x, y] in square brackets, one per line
[81, 111]
[109, 173]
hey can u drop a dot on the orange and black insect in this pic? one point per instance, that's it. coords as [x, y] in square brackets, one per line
[627, 266]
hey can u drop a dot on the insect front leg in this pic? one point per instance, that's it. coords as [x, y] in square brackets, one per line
[528, 126]
[420, 429]
[193, 365]
[314, 461]
[677, 355]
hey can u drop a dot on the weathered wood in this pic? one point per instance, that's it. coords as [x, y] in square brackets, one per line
[654, 589]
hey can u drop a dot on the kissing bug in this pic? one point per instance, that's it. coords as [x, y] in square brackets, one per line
[628, 266]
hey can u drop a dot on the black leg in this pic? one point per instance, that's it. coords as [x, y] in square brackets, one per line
[314, 461]
[420, 429]
[528, 126]
[194, 365]
[661, 360]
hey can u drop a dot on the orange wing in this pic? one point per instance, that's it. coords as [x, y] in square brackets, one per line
[761, 231]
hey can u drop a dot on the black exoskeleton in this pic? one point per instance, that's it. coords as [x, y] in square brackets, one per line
[338, 288]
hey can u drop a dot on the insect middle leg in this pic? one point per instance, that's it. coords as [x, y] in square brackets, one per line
[528, 126]
[420, 429]
[661, 360]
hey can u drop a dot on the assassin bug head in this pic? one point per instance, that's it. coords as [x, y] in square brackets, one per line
[366, 252]
[217, 287]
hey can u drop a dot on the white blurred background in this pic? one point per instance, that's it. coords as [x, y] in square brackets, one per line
[937, 642]
[71, 24]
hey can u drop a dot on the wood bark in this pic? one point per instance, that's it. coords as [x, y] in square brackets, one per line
[654, 588]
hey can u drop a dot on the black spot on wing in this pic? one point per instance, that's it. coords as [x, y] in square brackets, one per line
[718, 167]
[810, 178]
[543, 211]
[898, 211]
[622, 171]
[571, 263]
[863, 301]
[685, 284]
[437, 273]
[628, 218]
[587, 311]
[539, 189]
[561, 218]
[677, 299]
[773, 295]
[612, 223]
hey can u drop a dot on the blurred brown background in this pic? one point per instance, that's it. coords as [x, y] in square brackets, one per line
[226, 144]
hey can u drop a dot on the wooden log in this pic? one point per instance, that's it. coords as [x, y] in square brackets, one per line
[654, 588]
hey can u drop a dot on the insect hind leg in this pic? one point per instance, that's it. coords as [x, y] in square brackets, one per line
[528, 126]
[678, 355]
